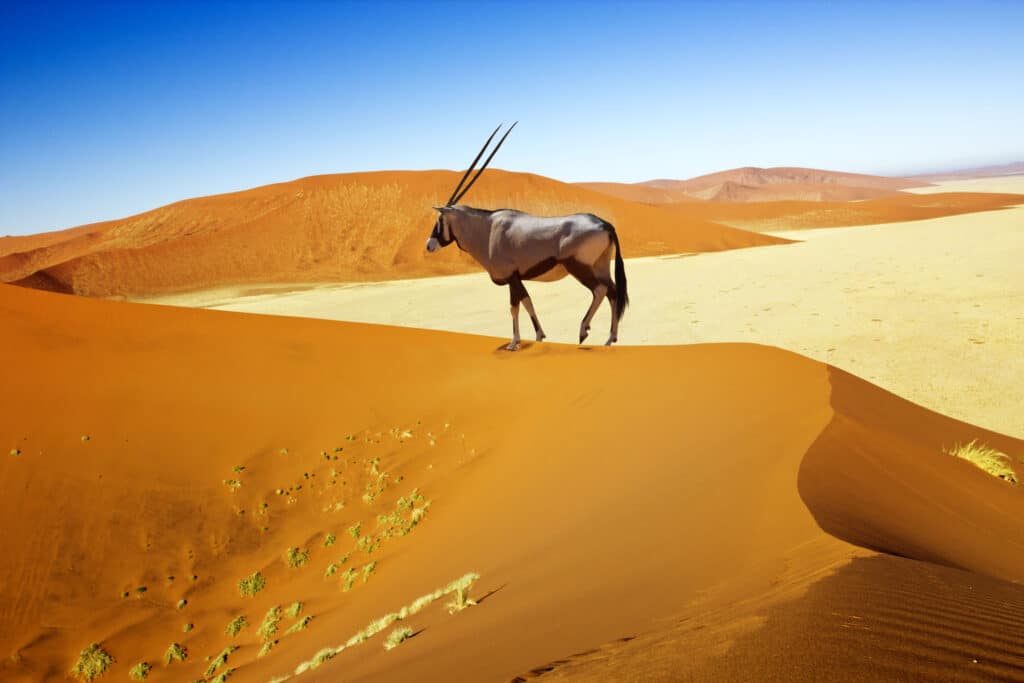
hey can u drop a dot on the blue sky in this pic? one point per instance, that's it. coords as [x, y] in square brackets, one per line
[110, 109]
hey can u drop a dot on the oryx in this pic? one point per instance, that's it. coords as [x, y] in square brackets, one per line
[513, 246]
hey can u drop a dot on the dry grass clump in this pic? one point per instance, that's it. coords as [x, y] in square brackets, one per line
[294, 610]
[460, 587]
[300, 625]
[236, 625]
[92, 663]
[220, 660]
[252, 584]
[296, 558]
[269, 627]
[140, 671]
[992, 461]
[397, 637]
[175, 653]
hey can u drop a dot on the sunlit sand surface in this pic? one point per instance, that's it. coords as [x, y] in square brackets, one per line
[932, 310]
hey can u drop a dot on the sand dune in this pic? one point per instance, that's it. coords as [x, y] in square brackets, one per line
[751, 184]
[351, 227]
[665, 495]
[891, 303]
[1013, 168]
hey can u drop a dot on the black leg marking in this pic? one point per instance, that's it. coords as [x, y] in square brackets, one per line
[516, 290]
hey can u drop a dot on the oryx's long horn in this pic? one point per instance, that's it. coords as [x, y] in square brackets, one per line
[451, 200]
[491, 156]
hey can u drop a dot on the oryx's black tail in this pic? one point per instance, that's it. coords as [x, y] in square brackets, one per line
[622, 300]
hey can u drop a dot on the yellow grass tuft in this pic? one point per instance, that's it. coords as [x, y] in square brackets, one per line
[92, 663]
[983, 457]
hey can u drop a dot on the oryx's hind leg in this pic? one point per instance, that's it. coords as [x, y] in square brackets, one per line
[613, 299]
[518, 294]
[592, 281]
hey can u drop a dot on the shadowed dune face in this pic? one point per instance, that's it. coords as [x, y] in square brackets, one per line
[599, 493]
[878, 477]
[352, 227]
[879, 618]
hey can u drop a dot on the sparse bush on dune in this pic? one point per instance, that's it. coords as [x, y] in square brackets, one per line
[270, 622]
[140, 671]
[236, 625]
[252, 584]
[220, 660]
[300, 625]
[397, 637]
[983, 457]
[92, 663]
[294, 610]
[296, 558]
[459, 586]
[175, 653]
[223, 676]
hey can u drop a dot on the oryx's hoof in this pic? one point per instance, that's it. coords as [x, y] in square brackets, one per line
[512, 346]
[541, 336]
[611, 340]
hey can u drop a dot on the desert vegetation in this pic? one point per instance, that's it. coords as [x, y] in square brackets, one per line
[996, 463]
[459, 586]
[236, 625]
[175, 653]
[252, 584]
[140, 671]
[92, 663]
[397, 637]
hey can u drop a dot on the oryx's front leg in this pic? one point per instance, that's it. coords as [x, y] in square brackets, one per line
[529, 309]
[516, 293]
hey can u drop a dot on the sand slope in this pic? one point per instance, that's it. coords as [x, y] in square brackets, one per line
[892, 303]
[601, 494]
[350, 227]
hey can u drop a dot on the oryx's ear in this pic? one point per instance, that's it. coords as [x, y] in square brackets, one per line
[443, 209]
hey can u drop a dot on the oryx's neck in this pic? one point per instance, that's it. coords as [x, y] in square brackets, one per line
[471, 229]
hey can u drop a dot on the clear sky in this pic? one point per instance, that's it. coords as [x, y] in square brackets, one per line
[110, 109]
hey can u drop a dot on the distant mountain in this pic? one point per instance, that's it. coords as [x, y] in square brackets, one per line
[752, 184]
[1013, 168]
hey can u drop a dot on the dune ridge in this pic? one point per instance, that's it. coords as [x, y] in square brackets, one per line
[753, 184]
[694, 492]
[347, 227]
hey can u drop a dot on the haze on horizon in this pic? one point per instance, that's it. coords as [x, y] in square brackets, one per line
[111, 109]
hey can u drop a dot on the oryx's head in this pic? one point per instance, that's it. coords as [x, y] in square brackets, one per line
[442, 234]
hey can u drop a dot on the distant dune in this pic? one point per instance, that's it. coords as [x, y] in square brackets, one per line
[373, 226]
[352, 227]
[710, 506]
[751, 184]
[1015, 168]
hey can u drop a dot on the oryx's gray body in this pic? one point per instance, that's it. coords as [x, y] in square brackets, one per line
[513, 246]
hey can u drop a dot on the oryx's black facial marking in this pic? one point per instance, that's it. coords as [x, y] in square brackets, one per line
[439, 232]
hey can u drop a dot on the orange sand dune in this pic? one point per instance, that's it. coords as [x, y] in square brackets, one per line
[751, 184]
[799, 215]
[351, 227]
[671, 496]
